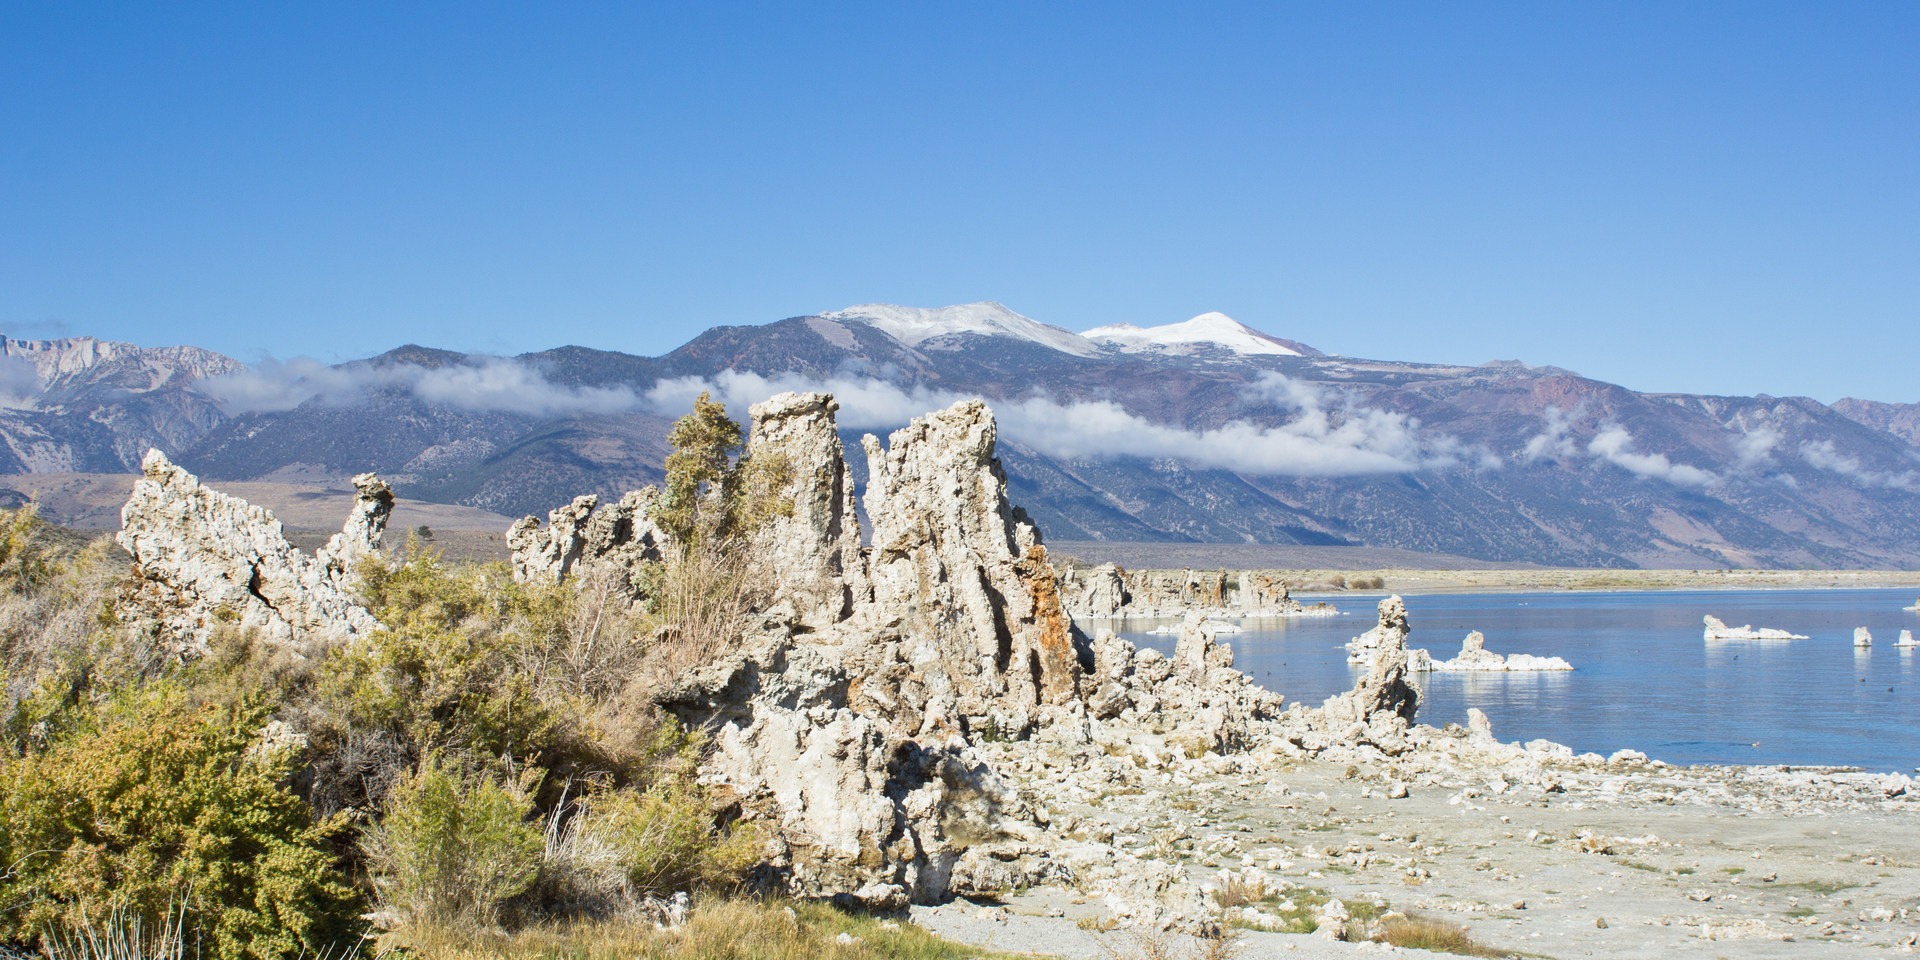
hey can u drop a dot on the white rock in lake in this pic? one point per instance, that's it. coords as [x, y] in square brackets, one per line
[1906, 639]
[1213, 625]
[1862, 637]
[1720, 631]
[1476, 658]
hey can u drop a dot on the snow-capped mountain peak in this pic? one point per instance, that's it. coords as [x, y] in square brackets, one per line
[913, 325]
[1208, 330]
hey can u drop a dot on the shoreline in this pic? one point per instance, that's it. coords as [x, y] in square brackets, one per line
[1324, 584]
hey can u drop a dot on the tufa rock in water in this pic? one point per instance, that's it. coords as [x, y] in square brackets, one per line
[1474, 657]
[1107, 591]
[1094, 592]
[1716, 630]
[203, 558]
[1862, 637]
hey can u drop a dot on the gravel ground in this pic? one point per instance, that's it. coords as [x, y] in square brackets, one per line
[994, 927]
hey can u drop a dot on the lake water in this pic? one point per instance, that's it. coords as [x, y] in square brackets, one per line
[1643, 677]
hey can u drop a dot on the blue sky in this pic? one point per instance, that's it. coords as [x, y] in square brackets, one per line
[1705, 197]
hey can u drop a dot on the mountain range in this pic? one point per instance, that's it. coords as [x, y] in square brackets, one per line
[1202, 431]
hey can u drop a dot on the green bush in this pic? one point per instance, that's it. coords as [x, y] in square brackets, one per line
[454, 846]
[665, 839]
[158, 804]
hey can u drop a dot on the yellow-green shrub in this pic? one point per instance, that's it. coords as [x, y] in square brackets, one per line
[158, 802]
[666, 841]
[453, 845]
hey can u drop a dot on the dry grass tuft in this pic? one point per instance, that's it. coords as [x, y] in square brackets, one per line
[716, 930]
[1422, 933]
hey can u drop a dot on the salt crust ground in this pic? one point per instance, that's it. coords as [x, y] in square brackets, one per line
[1699, 862]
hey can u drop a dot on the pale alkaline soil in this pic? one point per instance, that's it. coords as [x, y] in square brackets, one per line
[1530, 851]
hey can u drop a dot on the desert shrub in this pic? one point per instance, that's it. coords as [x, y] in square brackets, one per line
[159, 807]
[454, 845]
[665, 838]
[444, 674]
[1439, 936]
[610, 850]
[698, 473]
[59, 635]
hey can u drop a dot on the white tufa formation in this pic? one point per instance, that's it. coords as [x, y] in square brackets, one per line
[203, 558]
[1474, 657]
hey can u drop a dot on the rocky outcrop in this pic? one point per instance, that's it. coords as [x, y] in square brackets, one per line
[1906, 639]
[1474, 657]
[580, 536]
[849, 808]
[808, 554]
[1382, 703]
[1106, 592]
[1717, 630]
[1094, 592]
[842, 722]
[202, 558]
[959, 577]
[1862, 637]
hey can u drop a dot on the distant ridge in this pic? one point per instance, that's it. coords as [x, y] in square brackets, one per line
[1199, 432]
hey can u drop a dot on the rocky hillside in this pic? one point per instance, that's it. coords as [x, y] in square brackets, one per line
[1200, 431]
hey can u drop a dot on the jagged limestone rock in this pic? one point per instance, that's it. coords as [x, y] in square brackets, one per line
[1107, 591]
[1094, 592]
[849, 807]
[959, 575]
[202, 558]
[1381, 704]
[809, 553]
[582, 535]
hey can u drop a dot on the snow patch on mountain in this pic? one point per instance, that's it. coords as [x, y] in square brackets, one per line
[915, 325]
[1209, 330]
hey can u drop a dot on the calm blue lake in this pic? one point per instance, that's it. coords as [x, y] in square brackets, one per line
[1643, 678]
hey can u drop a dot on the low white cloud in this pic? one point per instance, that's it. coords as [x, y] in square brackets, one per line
[1553, 439]
[19, 380]
[491, 385]
[1822, 455]
[1614, 444]
[1322, 433]
[504, 385]
[1756, 446]
[1324, 436]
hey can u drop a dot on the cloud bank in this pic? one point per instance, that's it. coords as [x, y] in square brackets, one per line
[1821, 455]
[1614, 444]
[493, 385]
[1324, 432]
